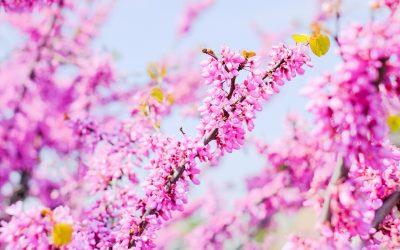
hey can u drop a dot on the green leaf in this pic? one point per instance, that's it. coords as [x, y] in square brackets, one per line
[156, 71]
[394, 123]
[259, 236]
[301, 38]
[158, 94]
[320, 44]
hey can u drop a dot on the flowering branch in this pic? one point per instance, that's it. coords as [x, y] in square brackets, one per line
[230, 111]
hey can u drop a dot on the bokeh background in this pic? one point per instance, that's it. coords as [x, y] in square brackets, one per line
[139, 32]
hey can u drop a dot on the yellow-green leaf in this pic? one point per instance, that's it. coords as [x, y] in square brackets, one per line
[152, 71]
[156, 71]
[301, 38]
[259, 236]
[158, 94]
[394, 123]
[320, 44]
[62, 234]
[157, 125]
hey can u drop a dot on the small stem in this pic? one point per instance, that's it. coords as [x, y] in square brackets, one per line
[268, 73]
[210, 53]
[381, 72]
[212, 136]
[178, 174]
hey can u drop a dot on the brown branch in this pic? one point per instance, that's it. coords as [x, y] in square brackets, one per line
[388, 204]
[233, 80]
[211, 136]
[385, 209]
[381, 72]
[232, 88]
[22, 190]
[176, 177]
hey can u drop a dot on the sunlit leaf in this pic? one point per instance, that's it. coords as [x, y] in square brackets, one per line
[319, 44]
[158, 94]
[248, 54]
[157, 125]
[170, 99]
[62, 234]
[144, 109]
[301, 38]
[394, 123]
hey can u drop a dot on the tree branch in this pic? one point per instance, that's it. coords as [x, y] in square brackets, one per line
[211, 136]
[340, 174]
[268, 73]
[385, 209]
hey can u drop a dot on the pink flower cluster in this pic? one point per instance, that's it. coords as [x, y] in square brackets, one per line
[174, 164]
[23, 5]
[230, 105]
